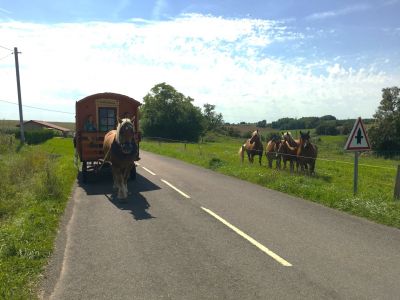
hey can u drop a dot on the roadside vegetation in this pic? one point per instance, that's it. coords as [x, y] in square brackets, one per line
[35, 184]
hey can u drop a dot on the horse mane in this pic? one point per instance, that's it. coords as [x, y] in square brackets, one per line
[119, 126]
[287, 136]
[255, 132]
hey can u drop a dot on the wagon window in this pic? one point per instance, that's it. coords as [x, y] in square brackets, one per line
[107, 118]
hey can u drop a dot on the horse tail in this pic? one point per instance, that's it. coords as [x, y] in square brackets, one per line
[241, 153]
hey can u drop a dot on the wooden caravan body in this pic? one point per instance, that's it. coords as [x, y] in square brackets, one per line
[95, 116]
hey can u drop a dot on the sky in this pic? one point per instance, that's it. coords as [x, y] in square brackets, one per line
[254, 60]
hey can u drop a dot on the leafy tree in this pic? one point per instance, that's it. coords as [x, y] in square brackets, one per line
[169, 114]
[327, 118]
[262, 124]
[385, 133]
[309, 122]
[288, 123]
[346, 126]
[213, 121]
[327, 128]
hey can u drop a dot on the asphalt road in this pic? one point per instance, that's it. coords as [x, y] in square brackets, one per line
[189, 233]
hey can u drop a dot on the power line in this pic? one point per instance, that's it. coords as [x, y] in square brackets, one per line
[6, 48]
[5, 56]
[39, 108]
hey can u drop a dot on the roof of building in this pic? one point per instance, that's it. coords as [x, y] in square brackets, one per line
[48, 125]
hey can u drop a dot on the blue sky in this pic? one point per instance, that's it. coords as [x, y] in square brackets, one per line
[254, 60]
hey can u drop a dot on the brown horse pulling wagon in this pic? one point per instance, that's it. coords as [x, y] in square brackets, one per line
[95, 116]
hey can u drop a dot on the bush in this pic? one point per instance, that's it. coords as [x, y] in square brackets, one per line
[233, 132]
[246, 135]
[9, 130]
[210, 137]
[346, 128]
[7, 141]
[36, 136]
[327, 128]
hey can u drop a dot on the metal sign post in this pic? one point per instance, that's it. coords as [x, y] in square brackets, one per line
[356, 154]
[397, 185]
[357, 141]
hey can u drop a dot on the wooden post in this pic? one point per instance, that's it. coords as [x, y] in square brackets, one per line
[21, 118]
[397, 185]
[356, 172]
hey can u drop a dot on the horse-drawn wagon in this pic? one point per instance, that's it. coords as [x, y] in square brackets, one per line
[95, 116]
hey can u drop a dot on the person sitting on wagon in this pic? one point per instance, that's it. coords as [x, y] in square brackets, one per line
[89, 124]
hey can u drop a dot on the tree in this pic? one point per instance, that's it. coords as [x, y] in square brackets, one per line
[213, 121]
[262, 124]
[385, 133]
[327, 128]
[169, 114]
[327, 118]
[310, 122]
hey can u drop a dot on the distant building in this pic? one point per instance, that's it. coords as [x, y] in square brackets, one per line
[38, 125]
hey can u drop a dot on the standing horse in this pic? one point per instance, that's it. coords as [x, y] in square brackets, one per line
[271, 151]
[121, 150]
[288, 150]
[306, 153]
[253, 147]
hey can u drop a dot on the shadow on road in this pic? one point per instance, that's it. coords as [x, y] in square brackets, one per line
[101, 184]
[136, 204]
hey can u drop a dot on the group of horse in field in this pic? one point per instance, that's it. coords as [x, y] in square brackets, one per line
[284, 148]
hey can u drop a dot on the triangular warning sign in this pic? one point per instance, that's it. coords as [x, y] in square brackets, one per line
[358, 139]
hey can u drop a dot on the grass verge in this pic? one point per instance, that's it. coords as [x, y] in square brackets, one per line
[35, 184]
[331, 186]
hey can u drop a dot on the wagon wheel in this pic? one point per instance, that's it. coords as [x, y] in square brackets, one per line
[132, 175]
[84, 171]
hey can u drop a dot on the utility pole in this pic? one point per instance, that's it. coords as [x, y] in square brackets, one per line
[21, 118]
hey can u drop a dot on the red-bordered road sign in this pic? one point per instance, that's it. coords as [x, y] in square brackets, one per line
[358, 138]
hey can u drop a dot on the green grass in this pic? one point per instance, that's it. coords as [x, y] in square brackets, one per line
[35, 184]
[331, 186]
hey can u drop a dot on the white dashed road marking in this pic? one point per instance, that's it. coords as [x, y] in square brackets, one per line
[250, 239]
[176, 189]
[152, 173]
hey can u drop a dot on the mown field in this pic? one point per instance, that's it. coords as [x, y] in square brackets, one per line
[331, 186]
[35, 184]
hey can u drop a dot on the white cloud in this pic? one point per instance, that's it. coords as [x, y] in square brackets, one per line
[338, 12]
[214, 60]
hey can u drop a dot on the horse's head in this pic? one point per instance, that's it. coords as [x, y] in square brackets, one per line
[276, 139]
[304, 139]
[287, 136]
[255, 136]
[126, 135]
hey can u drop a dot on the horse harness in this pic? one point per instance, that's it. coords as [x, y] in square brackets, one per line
[116, 151]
